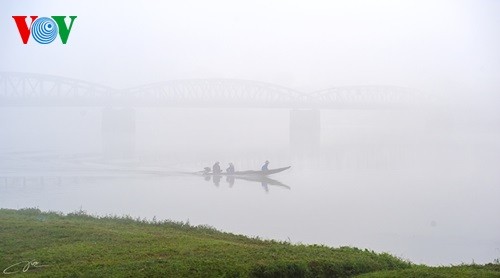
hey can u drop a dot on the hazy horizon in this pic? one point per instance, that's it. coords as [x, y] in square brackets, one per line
[418, 181]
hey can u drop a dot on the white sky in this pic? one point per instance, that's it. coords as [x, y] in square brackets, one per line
[307, 45]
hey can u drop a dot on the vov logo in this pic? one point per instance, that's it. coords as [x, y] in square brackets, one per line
[44, 29]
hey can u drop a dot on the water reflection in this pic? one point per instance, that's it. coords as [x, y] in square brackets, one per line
[439, 213]
[265, 182]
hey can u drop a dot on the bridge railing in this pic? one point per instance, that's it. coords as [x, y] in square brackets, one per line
[28, 89]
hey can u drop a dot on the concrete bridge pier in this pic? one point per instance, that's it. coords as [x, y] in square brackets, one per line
[118, 132]
[305, 131]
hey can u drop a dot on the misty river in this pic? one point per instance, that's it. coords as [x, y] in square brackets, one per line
[428, 201]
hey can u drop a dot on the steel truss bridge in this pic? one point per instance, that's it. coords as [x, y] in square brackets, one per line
[28, 89]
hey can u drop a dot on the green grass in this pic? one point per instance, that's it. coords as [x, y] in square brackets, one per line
[79, 245]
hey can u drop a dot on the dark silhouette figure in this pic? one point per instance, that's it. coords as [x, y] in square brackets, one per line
[230, 169]
[216, 168]
[264, 167]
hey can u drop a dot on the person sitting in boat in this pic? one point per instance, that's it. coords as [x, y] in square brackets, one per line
[230, 169]
[264, 167]
[206, 170]
[216, 168]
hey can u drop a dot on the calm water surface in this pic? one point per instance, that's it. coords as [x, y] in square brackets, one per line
[424, 214]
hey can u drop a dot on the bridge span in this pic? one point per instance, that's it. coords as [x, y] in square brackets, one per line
[118, 119]
[28, 89]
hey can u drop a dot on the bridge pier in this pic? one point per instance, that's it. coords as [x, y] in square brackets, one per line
[305, 131]
[118, 132]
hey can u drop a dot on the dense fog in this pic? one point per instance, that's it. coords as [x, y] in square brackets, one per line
[437, 154]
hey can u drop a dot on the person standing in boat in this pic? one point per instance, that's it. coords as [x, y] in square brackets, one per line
[230, 169]
[264, 167]
[216, 168]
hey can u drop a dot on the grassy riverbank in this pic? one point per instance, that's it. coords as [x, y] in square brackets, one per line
[76, 245]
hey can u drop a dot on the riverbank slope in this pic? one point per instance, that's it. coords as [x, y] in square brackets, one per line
[75, 245]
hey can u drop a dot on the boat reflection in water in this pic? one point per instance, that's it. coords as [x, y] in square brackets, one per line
[252, 176]
[263, 180]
